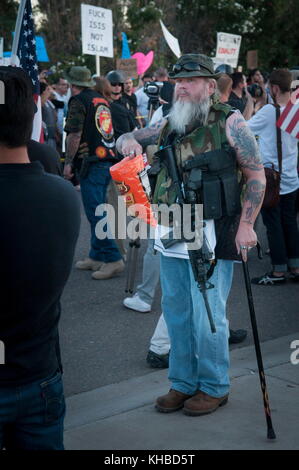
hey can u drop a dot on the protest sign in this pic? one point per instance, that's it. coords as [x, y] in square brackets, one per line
[228, 48]
[128, 67]
[143, 61]
[97, 31]
[172, 42]
[252, 60]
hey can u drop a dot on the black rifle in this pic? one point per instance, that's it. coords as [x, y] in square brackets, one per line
[200, 259]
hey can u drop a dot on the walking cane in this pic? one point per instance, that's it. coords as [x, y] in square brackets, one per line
[134, 246]
[270, 430]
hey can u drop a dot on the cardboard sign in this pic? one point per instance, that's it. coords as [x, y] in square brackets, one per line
[228, 48]
[252, 60]
[97, 31]
[128, 67]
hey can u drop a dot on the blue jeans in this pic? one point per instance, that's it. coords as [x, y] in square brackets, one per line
[150, 274]
[32, 415]
[199, 359]
[93, 192]
[283, 233]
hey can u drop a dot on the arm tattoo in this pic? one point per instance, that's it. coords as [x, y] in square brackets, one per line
[148, 135]
[248, 154]
[253, 198]
[72, 142]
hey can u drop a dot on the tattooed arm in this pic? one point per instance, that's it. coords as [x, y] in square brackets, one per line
[72, 146]
[241, 138]
[133, 142]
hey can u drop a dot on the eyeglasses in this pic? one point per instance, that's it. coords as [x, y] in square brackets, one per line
[188, 67]
[115, 84]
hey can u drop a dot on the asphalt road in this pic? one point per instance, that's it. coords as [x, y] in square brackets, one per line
[102, 342]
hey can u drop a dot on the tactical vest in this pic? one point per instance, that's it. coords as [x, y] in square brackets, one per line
[98, 129]
[207, 151]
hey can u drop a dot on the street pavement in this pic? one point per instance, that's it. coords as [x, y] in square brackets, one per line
[111, 390]
[122, 416]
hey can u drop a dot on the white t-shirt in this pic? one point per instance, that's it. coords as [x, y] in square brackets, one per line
[179, 250]
[263, 125]
[142, 103]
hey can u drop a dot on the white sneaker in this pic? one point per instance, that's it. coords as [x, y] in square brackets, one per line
[135, 303]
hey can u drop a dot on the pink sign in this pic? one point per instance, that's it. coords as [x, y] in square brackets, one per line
[143, 61]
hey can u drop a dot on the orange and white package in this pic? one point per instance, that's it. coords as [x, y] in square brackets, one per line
[132, 182]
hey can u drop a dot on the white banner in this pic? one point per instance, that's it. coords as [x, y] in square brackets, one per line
[97, 31]
[172, 42]
[1, 48]
[228, 48]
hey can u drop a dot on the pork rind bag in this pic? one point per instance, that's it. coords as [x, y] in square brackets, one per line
[131, 179]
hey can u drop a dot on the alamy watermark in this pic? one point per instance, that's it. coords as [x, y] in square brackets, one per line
[294, 357]
[183, 223]
[2, 92]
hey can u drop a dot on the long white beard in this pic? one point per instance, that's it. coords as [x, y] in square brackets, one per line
[184, 113]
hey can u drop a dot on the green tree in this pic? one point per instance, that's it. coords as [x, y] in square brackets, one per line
[62, 28]
[8, 16]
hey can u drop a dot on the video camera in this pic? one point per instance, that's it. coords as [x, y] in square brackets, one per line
[152, 89]
[255, 90]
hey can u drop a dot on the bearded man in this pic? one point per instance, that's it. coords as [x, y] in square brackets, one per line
[198, 127]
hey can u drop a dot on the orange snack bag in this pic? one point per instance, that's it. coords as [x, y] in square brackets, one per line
[132, 182]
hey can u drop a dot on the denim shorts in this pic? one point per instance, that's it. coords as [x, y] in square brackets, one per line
[32, 415]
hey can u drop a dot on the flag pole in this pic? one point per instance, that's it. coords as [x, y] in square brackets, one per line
[16, 37]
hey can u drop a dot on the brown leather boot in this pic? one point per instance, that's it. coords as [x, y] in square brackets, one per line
[89, 264]
[109, 270]
[202, 404]
[172, 401]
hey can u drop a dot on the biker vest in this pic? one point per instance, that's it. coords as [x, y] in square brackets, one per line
[98, 131]
[206, 152]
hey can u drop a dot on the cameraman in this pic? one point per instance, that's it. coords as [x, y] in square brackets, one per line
[240, 98]
[258, 88]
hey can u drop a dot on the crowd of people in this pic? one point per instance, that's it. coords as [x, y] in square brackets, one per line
[219, 122]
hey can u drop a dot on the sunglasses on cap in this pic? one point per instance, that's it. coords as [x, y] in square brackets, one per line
[188, 67]
[115, 84]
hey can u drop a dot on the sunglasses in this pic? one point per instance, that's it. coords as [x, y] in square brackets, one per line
[116, 84]
[188, 67]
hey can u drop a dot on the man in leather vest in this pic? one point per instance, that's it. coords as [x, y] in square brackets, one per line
[90, 149]
[213, 138]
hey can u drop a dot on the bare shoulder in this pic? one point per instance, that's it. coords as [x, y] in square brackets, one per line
[242, 139]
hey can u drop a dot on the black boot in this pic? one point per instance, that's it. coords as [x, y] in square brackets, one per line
[237, 336]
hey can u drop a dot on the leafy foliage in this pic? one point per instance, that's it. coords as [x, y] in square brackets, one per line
[8, 14]
[271, 27]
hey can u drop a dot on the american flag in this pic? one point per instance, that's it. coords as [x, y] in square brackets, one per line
[289, 118]
[26, 52]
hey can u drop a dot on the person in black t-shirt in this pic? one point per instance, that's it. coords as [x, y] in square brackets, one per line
[129, 97]
[239, 97]
[46, 155]
[122, 118]
[40, 220]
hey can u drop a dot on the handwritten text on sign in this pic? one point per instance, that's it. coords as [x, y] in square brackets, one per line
[228, 48]
[97, 31]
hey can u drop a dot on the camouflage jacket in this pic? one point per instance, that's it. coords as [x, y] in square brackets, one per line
[199, 140]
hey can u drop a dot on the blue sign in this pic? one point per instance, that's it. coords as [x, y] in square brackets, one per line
[41, 51]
